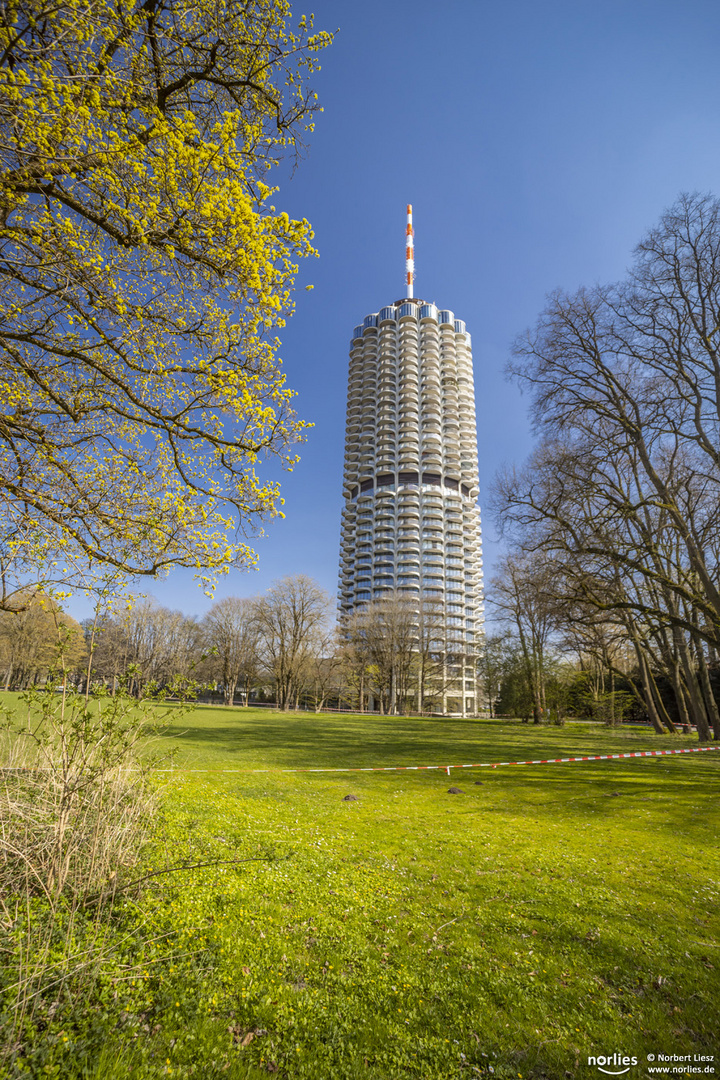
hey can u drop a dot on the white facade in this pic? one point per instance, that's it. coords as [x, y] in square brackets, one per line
[411, 522]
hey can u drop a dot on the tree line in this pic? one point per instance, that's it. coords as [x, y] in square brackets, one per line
[282, 646]
[614, 521]
[279, 641]
[538, 664]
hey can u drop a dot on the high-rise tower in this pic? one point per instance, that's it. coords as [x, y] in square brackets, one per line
[411, 521]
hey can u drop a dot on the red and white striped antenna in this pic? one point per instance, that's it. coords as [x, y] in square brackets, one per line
[409, 254]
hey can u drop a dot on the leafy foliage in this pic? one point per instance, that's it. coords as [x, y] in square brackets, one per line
[30, 634]
[142, 272]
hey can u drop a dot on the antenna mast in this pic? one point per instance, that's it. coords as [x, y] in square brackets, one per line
[409, 254]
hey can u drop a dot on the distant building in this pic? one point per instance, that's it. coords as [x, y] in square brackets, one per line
[411, 522]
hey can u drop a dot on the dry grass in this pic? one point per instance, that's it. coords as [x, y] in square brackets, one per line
[75, 810]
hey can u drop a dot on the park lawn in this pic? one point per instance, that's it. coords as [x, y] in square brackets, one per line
[546, 914]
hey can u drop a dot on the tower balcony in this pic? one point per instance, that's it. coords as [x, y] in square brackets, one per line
[386, 580]
[432, 514]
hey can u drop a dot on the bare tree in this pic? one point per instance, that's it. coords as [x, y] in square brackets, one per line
[384, 635]
[323, 672]
[355, 659]
[431, 657]
[149, 644]
[624, 492]
[523, 595]
[493, 661]
[633, 371]
[573, 506]
[291, 621]
[231, 631]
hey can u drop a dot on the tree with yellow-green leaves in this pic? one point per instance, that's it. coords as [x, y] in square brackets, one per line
[143, 275]
[32, 636]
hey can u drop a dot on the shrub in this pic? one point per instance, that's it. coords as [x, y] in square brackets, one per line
[76, 805]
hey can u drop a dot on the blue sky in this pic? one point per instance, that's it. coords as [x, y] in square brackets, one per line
[536, 142]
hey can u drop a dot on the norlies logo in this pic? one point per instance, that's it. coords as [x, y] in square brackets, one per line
[601, 1060]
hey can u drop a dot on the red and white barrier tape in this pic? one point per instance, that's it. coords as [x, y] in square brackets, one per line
[477, 765]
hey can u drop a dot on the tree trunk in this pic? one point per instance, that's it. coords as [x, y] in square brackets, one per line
[680, 696]
[649, 691]
[710, 702]
[696, 703]
[663, 714]
[530, 675]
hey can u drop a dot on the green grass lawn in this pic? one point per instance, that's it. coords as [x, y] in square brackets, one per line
[546, 914]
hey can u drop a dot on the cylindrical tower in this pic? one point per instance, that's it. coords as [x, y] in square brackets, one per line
[411, 521]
